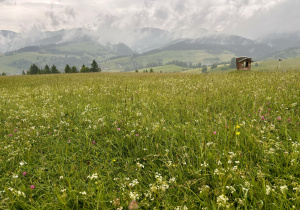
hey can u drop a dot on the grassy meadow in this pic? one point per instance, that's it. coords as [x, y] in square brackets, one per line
[166, 141]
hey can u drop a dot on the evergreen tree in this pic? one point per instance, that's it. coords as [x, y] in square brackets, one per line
[68, 69]
[34, 69]
[54, 70]
[151, 70]
[74, 69]
[95, 67]
[3, 74]
[23, 73]
[47, 69]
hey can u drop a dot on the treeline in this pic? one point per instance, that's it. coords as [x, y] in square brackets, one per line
[34, 69]
[184, 64]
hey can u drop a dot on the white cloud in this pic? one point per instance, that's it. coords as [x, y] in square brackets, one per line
[174, 15]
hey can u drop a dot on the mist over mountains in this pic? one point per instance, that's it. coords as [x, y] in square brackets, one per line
[147, 39]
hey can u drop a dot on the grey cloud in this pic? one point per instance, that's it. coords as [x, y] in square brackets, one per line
[69, 11]
[161, 13]
[54, 19]
[8, 2]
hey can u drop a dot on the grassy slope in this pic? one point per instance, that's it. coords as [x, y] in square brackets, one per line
[166, 69]
[194, 56]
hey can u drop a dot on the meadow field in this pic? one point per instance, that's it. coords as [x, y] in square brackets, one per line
[165, 141]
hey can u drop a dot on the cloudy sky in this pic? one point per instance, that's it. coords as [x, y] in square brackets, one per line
[249, 18]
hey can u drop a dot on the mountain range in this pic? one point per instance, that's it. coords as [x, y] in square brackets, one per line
[81, 45]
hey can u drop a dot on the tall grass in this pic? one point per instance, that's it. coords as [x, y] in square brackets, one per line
[168, 141]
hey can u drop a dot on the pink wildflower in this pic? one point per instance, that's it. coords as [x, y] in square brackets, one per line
[94, 142]
[10, 135]
[15, 130]
[137, 134]
[262, 117]
[215, 133]
[279, 118]
[69, 141]
[118, 129]
[24, 173]
[32, 187]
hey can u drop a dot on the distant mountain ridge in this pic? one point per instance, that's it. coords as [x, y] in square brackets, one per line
[147, 39]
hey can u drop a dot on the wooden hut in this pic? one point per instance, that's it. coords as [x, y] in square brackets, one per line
[243, 63]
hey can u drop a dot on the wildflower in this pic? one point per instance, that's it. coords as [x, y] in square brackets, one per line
[173, 179]
[114, 160]
[82, 193]
[69, 141]
[140, 165]
[283, 188]
[32, 187]
[94, 142]
[118, 129]
[61, 177]
[296, 189]
[15, 130]
[222, 200]
[279, 118]
[262, 117]
[137, 134]
[237, 126]
[134, 195]
[94, 176]
[204, 164]
[22, 163]
[133, 183]
[238, 133]
[24, 173]
[15, 176]
[232, 189]
[214, 132]
[10, 135]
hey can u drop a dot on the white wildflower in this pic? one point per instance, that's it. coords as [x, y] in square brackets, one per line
[231, 189]
[204, 164]
[140, 165]
[172, 180]
[22, 163]
[134, 196]
[133, 183]
[268, 189]
[222, 200]
[82, 193]
[94, 176]
[15, 176]
[283, 188]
